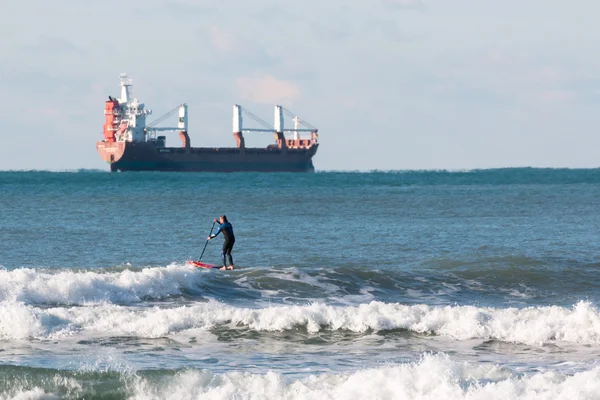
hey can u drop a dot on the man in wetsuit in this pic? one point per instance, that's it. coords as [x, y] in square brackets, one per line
[227, 230]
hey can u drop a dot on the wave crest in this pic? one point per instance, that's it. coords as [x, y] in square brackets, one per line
[533, 325]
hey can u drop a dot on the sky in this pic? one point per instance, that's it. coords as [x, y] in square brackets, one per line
[390, 84]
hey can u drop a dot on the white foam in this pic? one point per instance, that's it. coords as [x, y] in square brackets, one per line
[299, 276]
[434, 377]
[22, 388]
[35, 286]
[534, 325]
[33, 394]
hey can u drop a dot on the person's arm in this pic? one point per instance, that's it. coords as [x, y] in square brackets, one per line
[216, 233]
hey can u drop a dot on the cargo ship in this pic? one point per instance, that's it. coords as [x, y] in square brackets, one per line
[130, 144]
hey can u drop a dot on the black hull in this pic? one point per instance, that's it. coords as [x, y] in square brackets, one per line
[131, 156]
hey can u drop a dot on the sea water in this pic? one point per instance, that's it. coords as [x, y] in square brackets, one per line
[381, 285]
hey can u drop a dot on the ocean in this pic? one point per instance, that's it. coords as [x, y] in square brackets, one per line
[479, 284]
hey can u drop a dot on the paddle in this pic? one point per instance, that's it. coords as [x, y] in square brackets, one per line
[210, 233]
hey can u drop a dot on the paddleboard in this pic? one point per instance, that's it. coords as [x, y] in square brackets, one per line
[200, 264]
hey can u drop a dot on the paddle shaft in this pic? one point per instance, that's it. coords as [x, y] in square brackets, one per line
[210, 233]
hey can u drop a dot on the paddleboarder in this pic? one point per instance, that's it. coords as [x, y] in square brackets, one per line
[229, 240]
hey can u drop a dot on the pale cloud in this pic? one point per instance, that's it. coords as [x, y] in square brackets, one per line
[224, 41]
[189, 9]
[415, 4]
[331, 33]
[550, 73]
[53, 45]
[494, 57]
[558, 96]
[237, 53]
[51, 112]
[266, 89]
[354, 102]
[392, 31]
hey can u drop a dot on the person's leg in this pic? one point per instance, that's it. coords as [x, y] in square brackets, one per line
[229, 256]
[224, 254]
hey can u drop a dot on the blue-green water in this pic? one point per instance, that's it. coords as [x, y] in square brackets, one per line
[417, 284]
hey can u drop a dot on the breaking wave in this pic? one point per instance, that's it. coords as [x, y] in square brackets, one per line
[532, 325]
[347, 285]
[434, 376]
[69, 287]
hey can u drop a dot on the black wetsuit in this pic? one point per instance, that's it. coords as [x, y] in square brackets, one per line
[229, 237]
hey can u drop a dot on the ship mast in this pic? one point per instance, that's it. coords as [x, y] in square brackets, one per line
[126, 84]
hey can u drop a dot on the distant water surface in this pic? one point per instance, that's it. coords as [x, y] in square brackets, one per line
[407, 285]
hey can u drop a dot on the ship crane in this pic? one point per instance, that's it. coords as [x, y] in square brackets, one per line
[297, 142]
[182, 127]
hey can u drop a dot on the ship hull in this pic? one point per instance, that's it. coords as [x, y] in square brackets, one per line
[145, 156]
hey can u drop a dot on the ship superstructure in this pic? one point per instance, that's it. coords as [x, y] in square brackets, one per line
[131, 144]
[125, 118]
